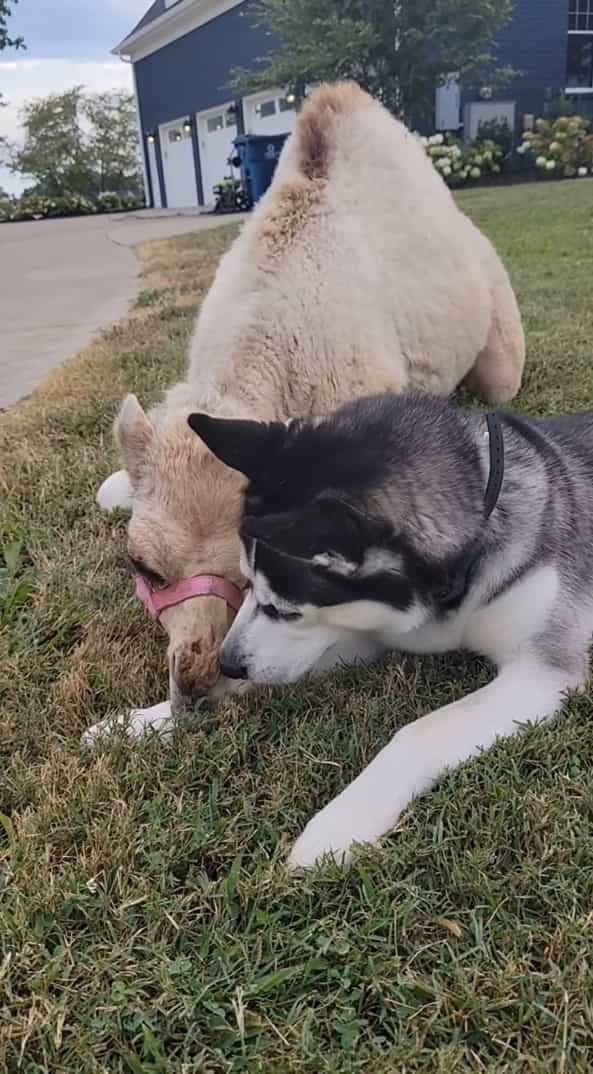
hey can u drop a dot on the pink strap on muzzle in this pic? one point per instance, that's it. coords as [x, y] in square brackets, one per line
[202, 585]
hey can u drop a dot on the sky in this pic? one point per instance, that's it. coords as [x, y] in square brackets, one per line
[68, 44]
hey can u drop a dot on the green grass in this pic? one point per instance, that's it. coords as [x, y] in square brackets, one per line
[147, 925]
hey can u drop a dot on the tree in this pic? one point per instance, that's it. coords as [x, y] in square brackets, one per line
[79, 144]
[6, 41]
[398, 50]
[113, 142]
[53, 152]
[5, 13]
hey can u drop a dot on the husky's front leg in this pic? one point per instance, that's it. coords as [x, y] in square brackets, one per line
[524, 691]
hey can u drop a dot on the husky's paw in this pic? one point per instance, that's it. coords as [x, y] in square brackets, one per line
[332, 833]
[116, 491]
[157, 719]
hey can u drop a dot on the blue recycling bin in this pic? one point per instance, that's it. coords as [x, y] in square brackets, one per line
[258, 156]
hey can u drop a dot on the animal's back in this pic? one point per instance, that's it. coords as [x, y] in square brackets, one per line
[355, 263]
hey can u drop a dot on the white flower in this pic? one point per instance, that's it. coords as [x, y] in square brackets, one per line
[446, 170]
[475, 173]
[437, 139]
[550, 165]
[455, 151]
[522, 148]
[582, 172]
[540, 162]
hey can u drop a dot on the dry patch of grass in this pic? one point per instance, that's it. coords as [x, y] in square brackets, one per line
[146, 922]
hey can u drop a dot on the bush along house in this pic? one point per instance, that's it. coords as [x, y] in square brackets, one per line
[182, 53]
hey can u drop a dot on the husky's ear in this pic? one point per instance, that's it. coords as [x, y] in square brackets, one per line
[328, 532]
[133, 435]
[243, 445]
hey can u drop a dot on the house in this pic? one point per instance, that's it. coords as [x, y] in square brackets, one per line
[182, 53]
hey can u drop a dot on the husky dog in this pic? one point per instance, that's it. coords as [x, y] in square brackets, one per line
[403, 522]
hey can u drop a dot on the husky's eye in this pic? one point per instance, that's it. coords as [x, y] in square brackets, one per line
[273, 613]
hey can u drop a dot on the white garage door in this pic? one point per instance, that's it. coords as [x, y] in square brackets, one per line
[269, 113]
[178, 166]
[216, 130]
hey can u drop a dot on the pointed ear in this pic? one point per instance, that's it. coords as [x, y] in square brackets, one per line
[243, 445]
[133, 435]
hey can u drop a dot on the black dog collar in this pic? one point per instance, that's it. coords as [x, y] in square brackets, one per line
[496, 475]
[457, 584]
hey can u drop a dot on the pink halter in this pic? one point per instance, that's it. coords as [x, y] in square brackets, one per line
[201, 585]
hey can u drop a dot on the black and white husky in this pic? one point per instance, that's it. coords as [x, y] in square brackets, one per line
[403, 522]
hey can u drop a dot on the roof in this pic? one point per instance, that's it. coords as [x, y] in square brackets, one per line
[166, 20]
[156, 9]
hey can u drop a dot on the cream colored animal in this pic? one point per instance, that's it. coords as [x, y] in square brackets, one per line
[356, 272]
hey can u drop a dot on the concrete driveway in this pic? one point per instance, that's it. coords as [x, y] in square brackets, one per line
[63, 280]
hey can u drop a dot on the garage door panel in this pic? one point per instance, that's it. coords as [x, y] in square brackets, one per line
[271, 113]
[216, 132]
[178, 166]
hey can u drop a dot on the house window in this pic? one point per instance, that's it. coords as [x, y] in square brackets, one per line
[231, 120]
[579, 52]
[215, 123]
[285, 105]
[580, 16]
[266, 108]
[177, 134]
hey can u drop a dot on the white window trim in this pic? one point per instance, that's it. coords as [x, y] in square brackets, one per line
[215, 109]
[175, 22]
[579, 89]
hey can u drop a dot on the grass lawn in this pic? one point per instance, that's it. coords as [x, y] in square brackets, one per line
[147, 924]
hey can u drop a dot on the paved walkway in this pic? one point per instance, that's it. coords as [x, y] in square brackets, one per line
[63, 280]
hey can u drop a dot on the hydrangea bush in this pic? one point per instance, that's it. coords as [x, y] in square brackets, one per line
[560, 148]
[36, 207]
[461, 163]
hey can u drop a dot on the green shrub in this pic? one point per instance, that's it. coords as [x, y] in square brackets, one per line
[108, 202]
[7, 208]
[498, 131]
[461, 163]
[32, 207]
[560, 148]
[132, 201]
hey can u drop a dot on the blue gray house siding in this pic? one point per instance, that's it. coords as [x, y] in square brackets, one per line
[534, 43]
[192, 73]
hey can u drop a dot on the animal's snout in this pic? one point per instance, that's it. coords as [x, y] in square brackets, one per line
[232, 670]
[194, 670]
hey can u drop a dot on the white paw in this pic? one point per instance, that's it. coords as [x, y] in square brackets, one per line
[116, 491]
[157, 719]
[333, 832]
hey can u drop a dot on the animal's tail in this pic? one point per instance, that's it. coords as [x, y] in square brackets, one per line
[315, 132]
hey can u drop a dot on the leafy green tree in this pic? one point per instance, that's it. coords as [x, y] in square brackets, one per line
[79, 144]
[5, 40]
[53, 153]
[398, 50]
[113, 142]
